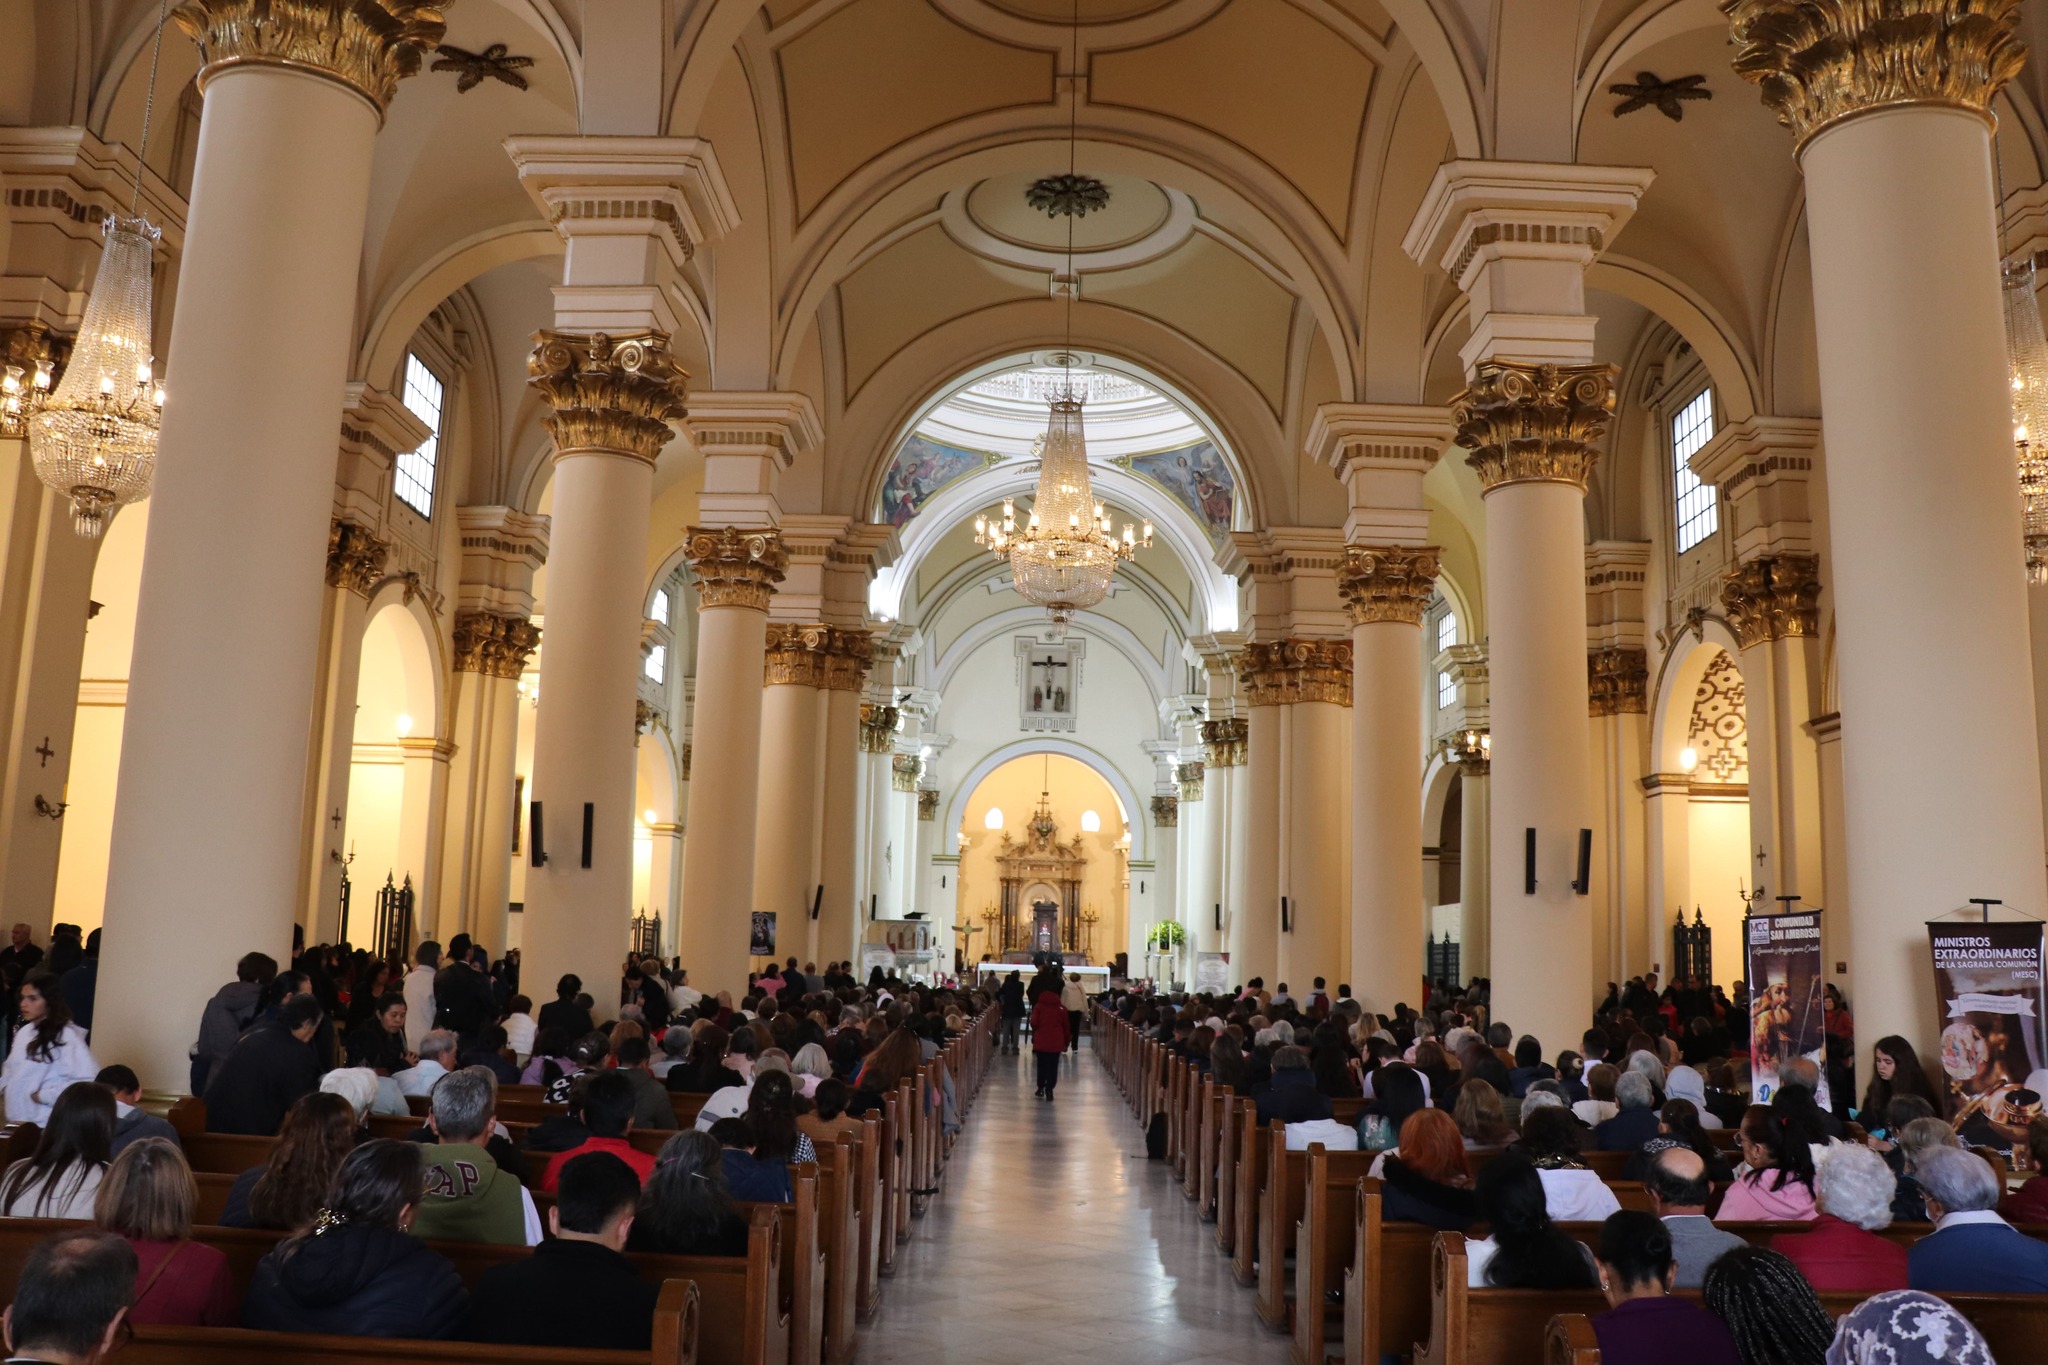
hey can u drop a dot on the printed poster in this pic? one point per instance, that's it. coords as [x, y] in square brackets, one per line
[1785, 1015]
[1987, 980]
[763, 944]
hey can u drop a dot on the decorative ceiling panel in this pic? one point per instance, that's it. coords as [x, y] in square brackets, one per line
[913, 286]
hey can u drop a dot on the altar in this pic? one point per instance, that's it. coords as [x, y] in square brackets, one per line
[1040, 913]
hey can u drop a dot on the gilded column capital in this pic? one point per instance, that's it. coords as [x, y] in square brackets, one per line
[796, 655]
[1470, 750]
[355, 558]
[1534, 423]
[927, 803]
[904, 772]
[366, 45]
[877, 728]
[1192, 776]
[1773, 597]
[1818, 62]
[1618, 682]
[645, 717]
[849, 654]
[735, 567]
[1166, 811]
[1226, 741]
[1283, 672]
[1388, 582]
[493, 644]
[608, 392]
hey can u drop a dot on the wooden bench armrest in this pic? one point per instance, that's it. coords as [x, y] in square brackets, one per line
[675, 1324]
[1569, 1340]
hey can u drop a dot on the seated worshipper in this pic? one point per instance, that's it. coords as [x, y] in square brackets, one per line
[1798, 1082]
[1678, 1125]
[563, 1012]
[469, 1198]
[577, 1289]
[379, 1041]
[488, 1050]
[1778, 1186]
[49, 1052]
[1972, 1249]
[1524, 1248]
[674, 1053]
[520, 1028]
[287, 1190]
[1398, 1091]
[356, 1271]
[267, 1072]
[812, 1066]
[1906, 1326]
[2029, 1203]
[1912, 1139]
[147, 1200]
[1678, 1187]
[707, 1071]
[1427, 1179]
[586, 1055]
[771, 1113]
[232, 1009]
[1635, 1121]
[1768, 1307]
[763, 1182]
[1852, 1188]
[1292, 1097]
[437, 1059]
[71, 1300]
[130, 1123]
[827, 1120]
[1684, 1083]
[60, 1179]
[1479, 1118]
[366, 1092]
[685, 1208]
[893, 1061]
[1550, 1140]
[608, 1113]
[730, 1101]
[1529, 1066]
[549, 1059]
[651, 1107]
[1599, 1105]
[1646, 1324]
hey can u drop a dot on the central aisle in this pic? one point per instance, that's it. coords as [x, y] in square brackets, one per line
[1055, 1238]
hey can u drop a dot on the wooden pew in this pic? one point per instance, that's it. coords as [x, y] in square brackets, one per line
[1251, 1180]
[1334, 1185]
[2012, 1325]
[1215, 1105]
[1489, 1326]
[1283, 1209]
[675, 1343]
[868, 1196]
[1229, 1139]
[1386, 1286]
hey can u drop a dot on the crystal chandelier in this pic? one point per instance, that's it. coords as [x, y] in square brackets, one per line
[2027, 354]
[1063, 556]
[92, 434]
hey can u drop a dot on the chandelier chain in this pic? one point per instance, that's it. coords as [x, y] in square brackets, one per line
[156, 52]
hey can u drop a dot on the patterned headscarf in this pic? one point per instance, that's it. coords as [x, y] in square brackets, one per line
[1907, 1327]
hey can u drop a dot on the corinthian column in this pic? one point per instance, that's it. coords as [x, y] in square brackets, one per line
[1891, 111]
[213, 759]
[611, 400]
[1308, 684]
[790, 808]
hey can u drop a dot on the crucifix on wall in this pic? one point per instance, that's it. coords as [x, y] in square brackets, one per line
[1049, 683]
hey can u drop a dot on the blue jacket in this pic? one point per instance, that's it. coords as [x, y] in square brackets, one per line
[1982, 1258]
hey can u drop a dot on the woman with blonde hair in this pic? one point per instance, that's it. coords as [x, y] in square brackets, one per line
[1480, 1118]
[147, 1200]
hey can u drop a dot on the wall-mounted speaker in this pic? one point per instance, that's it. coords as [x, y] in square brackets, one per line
[874, 907]
[818, 901]
[589, 828]
[1529, 861]
[1286, 917]
[533, 840]
[1584, 884]
[1219, 917]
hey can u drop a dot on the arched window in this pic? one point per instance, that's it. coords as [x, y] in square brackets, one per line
[412, 479]
[1693, 507]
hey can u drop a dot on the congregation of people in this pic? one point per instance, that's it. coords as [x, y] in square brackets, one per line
[309, 1054]
[1476, 1128]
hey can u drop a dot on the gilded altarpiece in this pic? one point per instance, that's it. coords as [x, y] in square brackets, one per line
[1041, 901]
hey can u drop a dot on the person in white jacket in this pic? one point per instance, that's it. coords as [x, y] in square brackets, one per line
[49, 1053]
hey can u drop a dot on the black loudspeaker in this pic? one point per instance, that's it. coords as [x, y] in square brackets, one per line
[533, 835]
[874, 907]
[1219, 916]
[1529, 861]
[1584, 884]
[818, 901]
[589, 828]
[1286, 918]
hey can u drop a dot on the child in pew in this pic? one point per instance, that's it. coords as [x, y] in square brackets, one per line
[577, 1289]
[686, 1208]
[147, 1200]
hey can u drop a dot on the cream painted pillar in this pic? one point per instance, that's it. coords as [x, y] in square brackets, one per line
[1223, 744]
[1618, 679]
[1894, 138]
[878, 724]
[1826, 732]
[1312, 680]
[1517, 238]
[1255, 920]
[491, 651]
[790, 809]
[1667, 818]
[839, 840]
[1475, 867]
[420, 850]
[205, 854]
[1194, 893]
[355, 565]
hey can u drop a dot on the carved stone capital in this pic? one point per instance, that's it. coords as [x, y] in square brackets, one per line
[645, 716]
[1618, 682]
[1166, 811]
[1534, 423]
[1820, 61]
[1773, 597]
[848, 657]
[927, 803]
[1284, 672]
[735, 567]
[686, 762]
[605, 392]
[355, 558]
[1192, 776]
[1388, 582]
[796, 655]
[1470, 750]
[1226, 741]
[367, 45]
[877, 728]
[495, 645]
[904, 772]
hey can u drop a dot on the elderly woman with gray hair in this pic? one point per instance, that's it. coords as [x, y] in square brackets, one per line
[1853, 1191]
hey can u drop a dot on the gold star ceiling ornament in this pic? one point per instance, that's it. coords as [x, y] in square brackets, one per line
[493, 62]
[1649, 92]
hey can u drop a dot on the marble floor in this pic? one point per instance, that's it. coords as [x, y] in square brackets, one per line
[1055, 1239]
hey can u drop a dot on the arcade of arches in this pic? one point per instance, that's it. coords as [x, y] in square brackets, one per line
[568, 482]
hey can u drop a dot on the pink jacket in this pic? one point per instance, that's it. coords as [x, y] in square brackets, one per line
[1752, 1200]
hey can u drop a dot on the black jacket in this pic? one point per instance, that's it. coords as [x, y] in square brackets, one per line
[1010, 995]
[463, 1000]
[359, 1282]
[573, 1294]
[370, 1045]
[1410, 1197]
[262, 1076]
[1293, 1098]
[566, 1015]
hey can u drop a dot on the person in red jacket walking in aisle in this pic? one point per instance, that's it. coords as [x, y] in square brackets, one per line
[1048, 1033]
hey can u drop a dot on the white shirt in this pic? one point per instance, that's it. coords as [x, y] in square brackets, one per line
[682, 998]
[531, 1215]
[31, 1086]
[419, 1080]
[1963, 1217]
[1479, 1254]
[1338, 1137]
[519, 1031]
[729, 1103]
[1577, 1196]
[1595, 1112]
[418, 990]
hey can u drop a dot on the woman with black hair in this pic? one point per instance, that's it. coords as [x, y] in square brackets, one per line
[771, 1113]
[357, 1270]
[705, 1073]
[1678, 1125]
[1895, 1070]
[49, 1052]
[1550, 1142]
[1529, 1067]
[1777, 1146]
[1645, 1324]
[1524, 1249]
[685, 1208]
[62, 1177]
[287, 1190]
[1769, 1308]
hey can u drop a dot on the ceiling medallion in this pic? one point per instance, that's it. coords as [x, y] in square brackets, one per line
[1648, 91]
[1067, 196]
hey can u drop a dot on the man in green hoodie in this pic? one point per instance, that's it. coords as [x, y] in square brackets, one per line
[468, 1199]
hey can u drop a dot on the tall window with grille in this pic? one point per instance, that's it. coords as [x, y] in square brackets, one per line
[412, 479]
[1693, 507]
[1446, 636]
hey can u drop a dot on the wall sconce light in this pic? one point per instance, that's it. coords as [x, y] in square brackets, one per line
[1688, 758]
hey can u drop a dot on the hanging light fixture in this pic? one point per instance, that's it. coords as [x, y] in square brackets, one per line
[2027, 356]
[1065, 554]
[92, 434]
